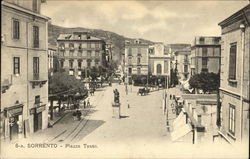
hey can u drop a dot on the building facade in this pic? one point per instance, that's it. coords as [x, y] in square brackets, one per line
[78, 52]
[24, 73]
[181, 62]
[234, 88]
[205, 55]
[159, 60]
[136, 59]
[53, 64]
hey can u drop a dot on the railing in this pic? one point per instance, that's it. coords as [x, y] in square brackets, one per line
[38, 76]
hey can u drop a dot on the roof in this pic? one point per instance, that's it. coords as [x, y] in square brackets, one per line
[71, 37]
[242, 12]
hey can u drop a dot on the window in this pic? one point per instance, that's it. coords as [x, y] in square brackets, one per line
[88, 45]
[129, 71]
[97, 54]
[36, 36]
[232, 61]
[36, 68]
[35, 6]
[80, 53]
[202, 40]
[80, 47]
[185, 68]
[89, 53]
[71, 63]
[71, 53]
[62, 46]
[138, 60]
[16, 67]
[204, 62]
[71, 46]
[62, 63]
[204, 52]
[16, 29]
[37, 99]
[138, 70]
[231, 119]
[97, 45]
[129, 52]
[130, 61]
[158, 67]
[79, 64]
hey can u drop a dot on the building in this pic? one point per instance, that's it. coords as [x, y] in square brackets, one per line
[78, 52]
[24, 73]
[181, 62]
[108, 49]
[205, 55]
[53, 64]
[159, 60]
[136, 59]
[234, 89]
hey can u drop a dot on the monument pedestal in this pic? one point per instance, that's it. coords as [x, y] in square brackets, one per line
[116, 110]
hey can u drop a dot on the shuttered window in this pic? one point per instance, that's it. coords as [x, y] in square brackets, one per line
[16, 29]
[16, 67]
[36, 36]
[232, 62]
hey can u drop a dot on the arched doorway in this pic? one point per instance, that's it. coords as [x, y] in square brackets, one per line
[158, 69]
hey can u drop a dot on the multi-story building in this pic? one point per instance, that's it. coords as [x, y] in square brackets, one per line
[24, 72]
[80, 51]
[108, 49]
[205, 55]
[159, 60]
[182, 60]
[53, 64]
[136, 59]
[234, 84]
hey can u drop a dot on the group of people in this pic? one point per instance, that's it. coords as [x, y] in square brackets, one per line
[77, 114]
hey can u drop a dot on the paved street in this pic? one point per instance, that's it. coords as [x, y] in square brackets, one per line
[141, 131]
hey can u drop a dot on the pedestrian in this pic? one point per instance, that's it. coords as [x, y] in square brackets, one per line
[84, 104]
[170, 96]
[74, 115]
[88, 103]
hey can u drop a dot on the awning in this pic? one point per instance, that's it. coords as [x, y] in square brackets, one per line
[181, 128]
[181, 131]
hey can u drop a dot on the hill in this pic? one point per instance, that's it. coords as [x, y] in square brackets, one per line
[117, 40]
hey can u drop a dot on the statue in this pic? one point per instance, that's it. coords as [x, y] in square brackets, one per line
[116, 96]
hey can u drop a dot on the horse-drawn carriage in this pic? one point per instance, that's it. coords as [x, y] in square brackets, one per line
[143, 91]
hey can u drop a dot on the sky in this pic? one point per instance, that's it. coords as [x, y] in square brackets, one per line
[165, 21]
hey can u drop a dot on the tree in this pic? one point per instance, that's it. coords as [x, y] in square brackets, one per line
[208, 82]
[65, 87]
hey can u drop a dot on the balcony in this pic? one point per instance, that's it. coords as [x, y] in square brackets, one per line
[129, 55]
[38, 79]
[6, 82]
[139, 55]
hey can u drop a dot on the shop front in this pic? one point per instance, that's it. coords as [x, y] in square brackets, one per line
[13, 121]
[37, 117]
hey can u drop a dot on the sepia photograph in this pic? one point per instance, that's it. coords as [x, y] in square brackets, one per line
[125, 79]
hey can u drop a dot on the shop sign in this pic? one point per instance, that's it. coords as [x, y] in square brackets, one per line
[40, 109]
[16, 111]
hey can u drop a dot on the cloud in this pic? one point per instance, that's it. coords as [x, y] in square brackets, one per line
[166, 21]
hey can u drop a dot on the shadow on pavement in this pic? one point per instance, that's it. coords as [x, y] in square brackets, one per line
[123, 116]
[90, 126]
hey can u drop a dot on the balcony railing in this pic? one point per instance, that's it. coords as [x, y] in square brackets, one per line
[38, 79]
